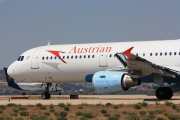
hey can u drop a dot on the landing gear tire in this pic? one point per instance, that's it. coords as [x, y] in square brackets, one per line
[24, 93]
[164, 93]
[169, 93]
[45, 95]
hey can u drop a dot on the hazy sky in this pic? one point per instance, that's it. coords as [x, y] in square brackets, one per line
[25, 24]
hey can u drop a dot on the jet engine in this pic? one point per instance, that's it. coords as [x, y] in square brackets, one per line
[110, 82]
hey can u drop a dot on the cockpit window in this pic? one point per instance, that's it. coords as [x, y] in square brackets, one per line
[21, 58]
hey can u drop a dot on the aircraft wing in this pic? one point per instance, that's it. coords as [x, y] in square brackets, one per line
[138, 67]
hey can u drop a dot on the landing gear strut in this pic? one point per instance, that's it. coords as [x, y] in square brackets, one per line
[164, 93]
[46, 95]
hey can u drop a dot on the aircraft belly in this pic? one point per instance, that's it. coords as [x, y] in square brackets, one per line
[69, 77]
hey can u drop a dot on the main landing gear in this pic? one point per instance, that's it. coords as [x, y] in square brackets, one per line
[164, 93]
[46, 95]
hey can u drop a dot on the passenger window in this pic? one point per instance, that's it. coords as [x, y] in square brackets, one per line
[161, 54]
[110, 55]
[179, 53]
[170, 53]
[42, 58]
[71, 57]
[92, 56]
[59, 57]
[88, 56]
[143, 54]
[150, 54]
[46, 58]
[67, 57]
[174, 53]
[76, 57]
[165, 53]
[84, 56]
[137, 54]
[51, 57]
[63, 57]
[80, 56]
[55, 57]
[156, 54]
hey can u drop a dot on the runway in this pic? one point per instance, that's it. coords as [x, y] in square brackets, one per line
[88, 99]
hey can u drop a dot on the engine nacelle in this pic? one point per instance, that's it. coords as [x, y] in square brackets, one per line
[173, 86]
[112, 82]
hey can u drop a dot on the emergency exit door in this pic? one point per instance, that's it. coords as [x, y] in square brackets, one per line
[103, 60]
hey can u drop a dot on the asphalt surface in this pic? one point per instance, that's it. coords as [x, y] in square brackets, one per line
[85, 99]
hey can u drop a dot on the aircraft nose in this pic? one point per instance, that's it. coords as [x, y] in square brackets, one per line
[10, 71]
[15, 71]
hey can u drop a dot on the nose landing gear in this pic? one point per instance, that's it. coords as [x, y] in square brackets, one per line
[46, 95]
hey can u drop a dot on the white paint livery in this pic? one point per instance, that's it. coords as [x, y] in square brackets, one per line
[74, 62]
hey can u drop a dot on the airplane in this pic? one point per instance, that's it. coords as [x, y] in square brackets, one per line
[111, 67]
[37, 87]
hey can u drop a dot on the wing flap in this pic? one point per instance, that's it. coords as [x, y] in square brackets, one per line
[132, 62]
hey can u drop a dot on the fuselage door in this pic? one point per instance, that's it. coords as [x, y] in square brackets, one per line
[103, 59]
[35, 59]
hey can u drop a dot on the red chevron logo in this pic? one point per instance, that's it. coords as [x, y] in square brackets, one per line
[57, 54]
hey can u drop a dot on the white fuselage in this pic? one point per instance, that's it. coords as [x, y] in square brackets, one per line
[77, 61]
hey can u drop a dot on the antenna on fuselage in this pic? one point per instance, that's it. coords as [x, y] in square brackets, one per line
[48, 43]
